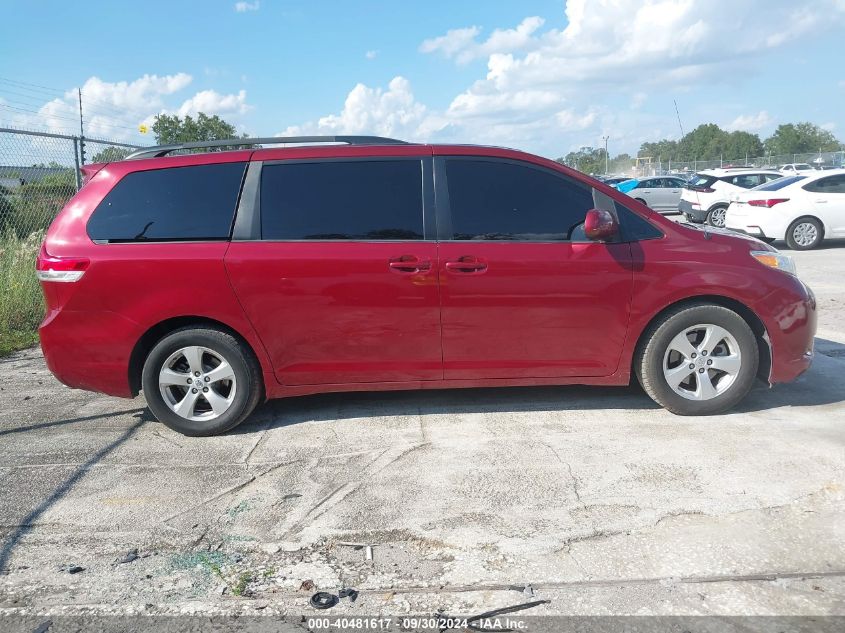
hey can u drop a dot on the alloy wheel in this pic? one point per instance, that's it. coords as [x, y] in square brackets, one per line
[717, 217]
[197, 383]
[805, 233]
[702, 362]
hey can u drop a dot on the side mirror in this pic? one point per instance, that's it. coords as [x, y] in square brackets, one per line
[600, 225]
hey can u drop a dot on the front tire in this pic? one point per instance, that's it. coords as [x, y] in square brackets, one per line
[716, 216]
[201, 381]
[698, 360]
[804, 234]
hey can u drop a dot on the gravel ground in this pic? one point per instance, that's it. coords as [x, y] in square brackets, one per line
[603, 502]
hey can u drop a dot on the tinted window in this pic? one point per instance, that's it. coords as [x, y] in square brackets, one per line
[747, 181]
[493, 200]
[633, 227]
[179, 203]
[647, 184]
[342, 200]
[701, 180]
[780, 183]
[831, 184]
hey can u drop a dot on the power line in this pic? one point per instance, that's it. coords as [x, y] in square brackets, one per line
[53, 116]
[100, 107]
[22, 85]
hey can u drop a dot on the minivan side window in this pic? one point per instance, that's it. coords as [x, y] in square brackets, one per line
[195, 203]
[342, 200]
[505, 200]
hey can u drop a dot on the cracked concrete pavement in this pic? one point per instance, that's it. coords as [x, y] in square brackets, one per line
[600, 500]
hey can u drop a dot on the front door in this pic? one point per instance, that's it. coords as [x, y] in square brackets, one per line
[523, 294]
[342, 285]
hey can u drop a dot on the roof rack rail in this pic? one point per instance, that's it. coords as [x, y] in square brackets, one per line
[163, 150]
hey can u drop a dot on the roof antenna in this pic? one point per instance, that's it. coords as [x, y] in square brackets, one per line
[679, 117]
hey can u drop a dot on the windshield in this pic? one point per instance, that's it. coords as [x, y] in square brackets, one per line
[780, 183]
[802, 167]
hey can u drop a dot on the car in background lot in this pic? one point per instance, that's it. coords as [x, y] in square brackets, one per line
[792, 169]
[659, 193]
[215, 280]
[706, 196]
[613, 180]
[803, 209]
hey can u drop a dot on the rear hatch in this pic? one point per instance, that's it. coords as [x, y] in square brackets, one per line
[700, 183]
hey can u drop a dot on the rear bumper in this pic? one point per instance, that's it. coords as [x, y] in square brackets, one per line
[693, 213]
[90, 350]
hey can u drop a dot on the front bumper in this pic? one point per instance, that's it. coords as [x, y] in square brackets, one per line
[792, 330]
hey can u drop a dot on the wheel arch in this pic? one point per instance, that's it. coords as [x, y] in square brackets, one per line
[748, 315]
[717, 205]
[807, 216]
[161, 329]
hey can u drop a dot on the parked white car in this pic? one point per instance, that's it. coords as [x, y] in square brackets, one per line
[792, 169]
[802, 209]
[660, 193]
[706, 196]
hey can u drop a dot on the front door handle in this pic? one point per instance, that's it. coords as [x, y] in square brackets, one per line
[409, 264]
[466, 264]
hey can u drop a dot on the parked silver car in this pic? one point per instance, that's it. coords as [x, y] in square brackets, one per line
[661, 193]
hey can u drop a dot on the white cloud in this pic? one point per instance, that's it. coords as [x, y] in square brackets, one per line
[212, 102]
[610, 48]
[751, 122]
[451, 44]
[461, 44]
[391, 112]
[114, 110]
[371, 54]
[243, 7]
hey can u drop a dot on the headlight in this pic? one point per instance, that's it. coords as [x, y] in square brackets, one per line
[773, 259]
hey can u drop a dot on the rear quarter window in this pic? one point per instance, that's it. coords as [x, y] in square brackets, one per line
[195, 203]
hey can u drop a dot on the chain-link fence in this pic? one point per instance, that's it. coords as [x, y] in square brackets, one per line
[39, 173]
[656, 167]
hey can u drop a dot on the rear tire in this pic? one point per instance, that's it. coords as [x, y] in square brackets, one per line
[641, 201]
[804, 234]
[201, 381]
[698, 359]
[716, 216]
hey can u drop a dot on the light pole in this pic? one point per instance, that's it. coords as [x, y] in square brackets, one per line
[606, 157]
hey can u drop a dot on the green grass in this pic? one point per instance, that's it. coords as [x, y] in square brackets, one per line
[21, 301]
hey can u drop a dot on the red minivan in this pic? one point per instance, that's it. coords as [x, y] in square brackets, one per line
[212, 281]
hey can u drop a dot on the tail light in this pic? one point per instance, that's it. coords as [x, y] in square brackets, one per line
[63, 269]
[770, 202]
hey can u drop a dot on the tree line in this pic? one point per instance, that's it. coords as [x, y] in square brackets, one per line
[710, 142]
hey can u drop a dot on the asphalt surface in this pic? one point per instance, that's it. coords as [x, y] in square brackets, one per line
[603, 502]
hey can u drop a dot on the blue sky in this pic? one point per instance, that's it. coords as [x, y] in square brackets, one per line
[542, 75]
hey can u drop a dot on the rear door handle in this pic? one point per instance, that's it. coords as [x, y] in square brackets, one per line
[409, 264]
[467, 264]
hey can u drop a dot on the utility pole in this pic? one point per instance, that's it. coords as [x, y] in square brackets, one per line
[81, 131]
[606, 157]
